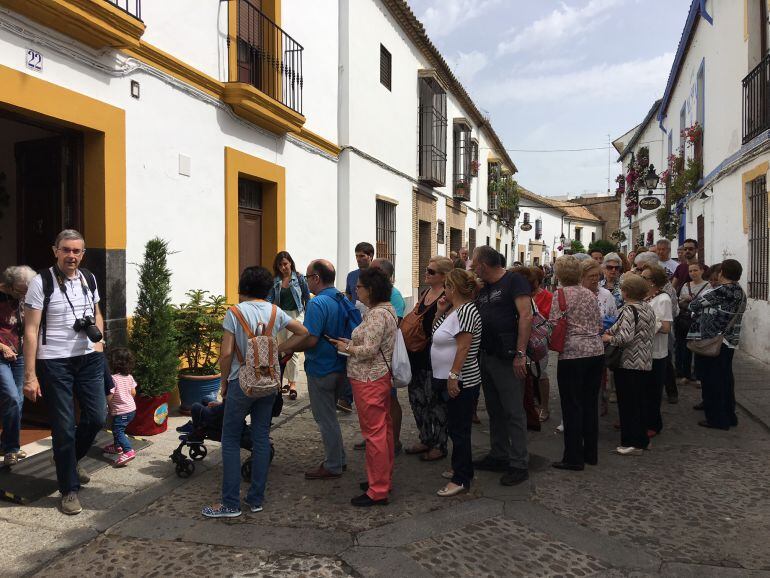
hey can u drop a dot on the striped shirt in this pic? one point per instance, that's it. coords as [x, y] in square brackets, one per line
[465, 319]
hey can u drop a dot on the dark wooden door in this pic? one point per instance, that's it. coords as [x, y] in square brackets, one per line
[48, 192]
[249, 238]
[701, 239]
[425, 243]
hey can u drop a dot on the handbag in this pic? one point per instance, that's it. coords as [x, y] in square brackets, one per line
[559, 333]
[613, 354]
[400, 369]
[537, 346]
[683, 321]
[712, 346]
[412, 330]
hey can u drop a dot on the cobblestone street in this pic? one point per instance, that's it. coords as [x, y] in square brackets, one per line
[696, 505]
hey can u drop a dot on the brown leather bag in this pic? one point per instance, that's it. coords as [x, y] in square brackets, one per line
[412, 329]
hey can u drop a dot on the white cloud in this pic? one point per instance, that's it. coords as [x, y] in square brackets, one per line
[466, 65]
[562, 24]
[443, 17]
[600, 83]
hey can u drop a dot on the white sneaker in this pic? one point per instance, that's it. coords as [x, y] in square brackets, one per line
[560, 427]
[628, 451]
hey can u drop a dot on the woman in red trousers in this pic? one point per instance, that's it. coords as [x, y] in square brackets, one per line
[371, 351]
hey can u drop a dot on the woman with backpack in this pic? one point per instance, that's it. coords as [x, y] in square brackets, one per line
[290, 292]
[250, 328]
[370, 351]
[428, 406]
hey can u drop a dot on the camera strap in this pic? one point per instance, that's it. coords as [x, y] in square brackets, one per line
[63, 289]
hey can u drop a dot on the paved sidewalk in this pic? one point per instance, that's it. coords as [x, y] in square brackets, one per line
[752, 387]
[696, 505]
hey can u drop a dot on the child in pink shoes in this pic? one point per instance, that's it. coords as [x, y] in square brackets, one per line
[122, 405]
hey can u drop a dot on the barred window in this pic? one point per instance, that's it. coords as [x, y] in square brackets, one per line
[471, 240]
[386, 231]
[463, 155]
[440, 232]
[759, 238]
[386, 63]
[432, 129]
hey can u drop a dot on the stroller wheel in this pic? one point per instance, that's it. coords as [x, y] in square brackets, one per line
[198, 452]
[185, 469]
[246, 470]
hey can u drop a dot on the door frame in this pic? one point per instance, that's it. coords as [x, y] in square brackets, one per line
[240, 164]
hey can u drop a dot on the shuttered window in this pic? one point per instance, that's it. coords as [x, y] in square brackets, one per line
[471, 241]
[759, 239]
[432, 133]
[386, 231]
[440, 232]
[385, 67]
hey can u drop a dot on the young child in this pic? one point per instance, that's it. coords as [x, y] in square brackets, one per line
[121, 405]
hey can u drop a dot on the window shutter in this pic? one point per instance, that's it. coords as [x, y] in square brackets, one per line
[385, 67]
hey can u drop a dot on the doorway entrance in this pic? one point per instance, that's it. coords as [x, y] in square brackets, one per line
[425, 245]
[249, 223]
[40, 194]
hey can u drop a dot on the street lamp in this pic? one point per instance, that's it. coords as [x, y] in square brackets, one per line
[651, 179]
[562, 239]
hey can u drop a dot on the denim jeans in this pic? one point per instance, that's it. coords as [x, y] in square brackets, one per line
[119, 425]
[238, 406]
[11, 402]
[324, 391]
[62, 381]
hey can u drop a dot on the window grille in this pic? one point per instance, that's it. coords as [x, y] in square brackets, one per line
[132, 7]
[759, 239]
[463, 154]
[471, 241]
[493, 188]
[440, 232]
[386, 62]
[249, 195]
[386, 231]
[432, 128]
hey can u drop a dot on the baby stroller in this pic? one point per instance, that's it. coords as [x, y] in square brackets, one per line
[206, 424]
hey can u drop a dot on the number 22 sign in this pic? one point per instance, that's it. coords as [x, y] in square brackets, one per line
[34, 60]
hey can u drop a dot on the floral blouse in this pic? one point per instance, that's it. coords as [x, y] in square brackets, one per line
[584, 323]
[377, 333]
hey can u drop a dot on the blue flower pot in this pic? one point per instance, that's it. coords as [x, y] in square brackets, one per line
[194, 388]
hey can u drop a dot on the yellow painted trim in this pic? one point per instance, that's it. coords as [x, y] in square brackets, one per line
[232, 40]
[746, 178]
[258, 108]
[104, 130]
[93, 22]
[320, 142]
[745, 20]
[273, 177]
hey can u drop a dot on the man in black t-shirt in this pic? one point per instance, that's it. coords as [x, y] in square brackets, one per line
[506, 317]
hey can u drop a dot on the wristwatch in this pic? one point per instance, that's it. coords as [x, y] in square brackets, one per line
[453, 375]
[520, 354]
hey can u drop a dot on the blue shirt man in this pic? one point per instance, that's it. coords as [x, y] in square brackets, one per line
[364, 256]
[323, 317]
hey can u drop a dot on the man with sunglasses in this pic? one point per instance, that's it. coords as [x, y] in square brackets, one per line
[612, 268]
[682, 273]
[64, 360]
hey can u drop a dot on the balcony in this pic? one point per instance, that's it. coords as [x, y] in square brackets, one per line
[756, 101]
[266, 71]
[96, 23]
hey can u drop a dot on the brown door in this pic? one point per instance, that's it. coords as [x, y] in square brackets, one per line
[249, 223]
[425, 252]
[701, 239]
[48, 186]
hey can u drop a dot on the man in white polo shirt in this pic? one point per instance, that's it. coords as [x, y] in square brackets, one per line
[64, 360]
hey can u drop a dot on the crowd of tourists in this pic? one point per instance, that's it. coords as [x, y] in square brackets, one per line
[626, 329]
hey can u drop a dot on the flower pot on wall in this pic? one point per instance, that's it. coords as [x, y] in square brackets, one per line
[193, 388]
[151, 415]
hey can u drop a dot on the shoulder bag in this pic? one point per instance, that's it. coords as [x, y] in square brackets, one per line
[537, 346]
[559, 333]
[712, 346]
[412, 330]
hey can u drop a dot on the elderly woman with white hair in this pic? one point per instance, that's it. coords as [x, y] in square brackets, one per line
[612, 268]
[13, 288]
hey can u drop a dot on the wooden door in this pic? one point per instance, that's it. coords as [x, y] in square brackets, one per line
[425, 243]
[249, 223]
[701, 239]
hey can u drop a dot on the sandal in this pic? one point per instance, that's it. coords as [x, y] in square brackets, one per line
[285, 388]
[416, 449]
[292, 394]
[432, 456]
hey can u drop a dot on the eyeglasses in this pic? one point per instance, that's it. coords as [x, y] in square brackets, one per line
[613, 267]
[312, 275]
[430, 271]
[68, 251]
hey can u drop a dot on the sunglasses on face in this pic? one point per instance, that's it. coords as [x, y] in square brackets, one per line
[430, 271]
[612, 267]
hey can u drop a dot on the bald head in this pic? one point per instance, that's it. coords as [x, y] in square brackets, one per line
[324, 270]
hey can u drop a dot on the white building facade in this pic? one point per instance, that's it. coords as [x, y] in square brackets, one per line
[714, 109]
[273, 129]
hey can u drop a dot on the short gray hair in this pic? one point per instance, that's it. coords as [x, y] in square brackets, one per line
[385, 266]
[581, 256]
[664, 242]
[648, 257]
[611, 257]
[68, 235]
[18, 274]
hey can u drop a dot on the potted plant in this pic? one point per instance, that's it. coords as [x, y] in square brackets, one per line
[461, 190]
[199, 327]
[153, 341]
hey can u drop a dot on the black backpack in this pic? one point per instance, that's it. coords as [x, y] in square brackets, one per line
[46, 275]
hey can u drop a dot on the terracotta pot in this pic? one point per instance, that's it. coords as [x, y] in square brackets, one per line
[151, 416]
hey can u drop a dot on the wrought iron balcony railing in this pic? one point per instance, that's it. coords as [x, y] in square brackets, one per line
[132, 7]
[268, 59]
[756, 100]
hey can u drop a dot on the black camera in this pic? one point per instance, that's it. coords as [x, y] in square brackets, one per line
[88, 324]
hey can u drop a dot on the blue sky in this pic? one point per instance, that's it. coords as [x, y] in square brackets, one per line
[559, 75]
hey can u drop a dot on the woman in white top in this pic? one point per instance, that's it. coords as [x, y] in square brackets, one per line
[687, 292]
[454, 358]
[660, 302]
